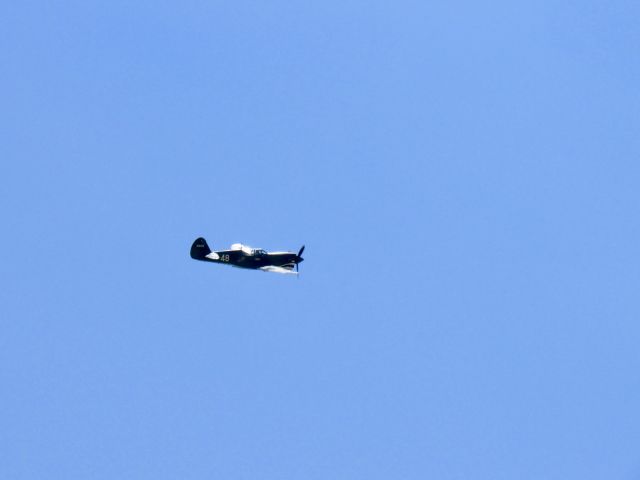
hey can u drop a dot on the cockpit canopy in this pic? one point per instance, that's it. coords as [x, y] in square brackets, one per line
[258, 252]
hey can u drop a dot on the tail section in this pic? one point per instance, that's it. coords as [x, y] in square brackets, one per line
[200, 249]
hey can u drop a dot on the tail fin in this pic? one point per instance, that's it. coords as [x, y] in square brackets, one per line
[200, 249]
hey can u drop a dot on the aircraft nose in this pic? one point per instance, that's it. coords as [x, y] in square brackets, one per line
[299, 259]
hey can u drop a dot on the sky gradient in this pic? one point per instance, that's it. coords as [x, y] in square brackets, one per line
[464, 176]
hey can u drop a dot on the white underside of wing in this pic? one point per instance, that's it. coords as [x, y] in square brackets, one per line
[284, 271]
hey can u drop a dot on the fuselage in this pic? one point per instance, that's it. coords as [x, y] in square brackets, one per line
[257, 259]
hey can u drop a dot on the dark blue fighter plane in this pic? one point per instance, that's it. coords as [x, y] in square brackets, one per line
[243, 256]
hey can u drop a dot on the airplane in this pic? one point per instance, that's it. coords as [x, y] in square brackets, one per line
[243, 256]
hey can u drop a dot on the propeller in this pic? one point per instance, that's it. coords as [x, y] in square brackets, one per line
[300, 259]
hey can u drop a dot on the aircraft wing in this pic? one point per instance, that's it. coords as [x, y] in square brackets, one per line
[284, 271]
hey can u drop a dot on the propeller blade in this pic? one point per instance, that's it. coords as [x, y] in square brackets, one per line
[299, 259]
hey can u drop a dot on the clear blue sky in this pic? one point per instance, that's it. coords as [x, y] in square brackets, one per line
[465, 176]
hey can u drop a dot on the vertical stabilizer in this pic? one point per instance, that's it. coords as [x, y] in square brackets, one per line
[200, 249]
